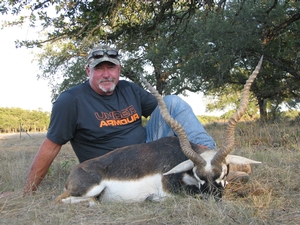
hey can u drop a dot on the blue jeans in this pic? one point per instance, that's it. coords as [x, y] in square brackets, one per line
[157, 128]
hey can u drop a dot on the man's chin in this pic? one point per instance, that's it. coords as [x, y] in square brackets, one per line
[107, 89]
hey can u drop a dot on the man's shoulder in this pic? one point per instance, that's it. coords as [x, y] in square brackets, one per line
[73, 93]
[123, 84]
[78, 89]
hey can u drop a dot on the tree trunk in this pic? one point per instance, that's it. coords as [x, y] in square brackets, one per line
[262, 103]
[159, 81]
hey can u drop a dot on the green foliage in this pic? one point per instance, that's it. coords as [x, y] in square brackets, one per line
[208, 119]
[64, 166]
[292, 114]
[144, 121]
[189, 45]
[31, 120]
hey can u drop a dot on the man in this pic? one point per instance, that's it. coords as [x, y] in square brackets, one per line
[104, 113]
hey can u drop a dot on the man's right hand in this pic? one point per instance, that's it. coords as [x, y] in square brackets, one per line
[40, 165]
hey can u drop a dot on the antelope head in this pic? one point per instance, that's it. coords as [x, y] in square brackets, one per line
[210, 167]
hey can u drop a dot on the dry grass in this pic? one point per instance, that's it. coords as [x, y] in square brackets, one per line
[271, 197]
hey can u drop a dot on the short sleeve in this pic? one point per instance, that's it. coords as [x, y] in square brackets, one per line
[148, 101]
[63, 120]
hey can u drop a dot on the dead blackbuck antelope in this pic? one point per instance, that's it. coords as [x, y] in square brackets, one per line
[160, 168]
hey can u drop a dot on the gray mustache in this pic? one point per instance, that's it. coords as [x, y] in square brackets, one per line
[106, 80]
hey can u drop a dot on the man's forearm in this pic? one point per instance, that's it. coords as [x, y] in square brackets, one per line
[40, 165]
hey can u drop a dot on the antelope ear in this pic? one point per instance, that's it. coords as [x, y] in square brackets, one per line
[182, 167]
[234, 159]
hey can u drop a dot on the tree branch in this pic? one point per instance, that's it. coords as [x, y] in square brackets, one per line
[273, 32]
[272, 7]
[282, 65]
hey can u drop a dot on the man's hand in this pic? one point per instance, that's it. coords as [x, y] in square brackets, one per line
[40, 165]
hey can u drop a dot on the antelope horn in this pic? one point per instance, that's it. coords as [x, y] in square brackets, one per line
[183, 140]
[229, 135]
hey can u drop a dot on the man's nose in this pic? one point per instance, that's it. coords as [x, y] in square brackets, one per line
[105, 72]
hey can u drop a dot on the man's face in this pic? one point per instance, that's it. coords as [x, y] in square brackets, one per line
[104, 77]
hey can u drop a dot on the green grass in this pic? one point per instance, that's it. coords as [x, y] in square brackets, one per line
[271, 197]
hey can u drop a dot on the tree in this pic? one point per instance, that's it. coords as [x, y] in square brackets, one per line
[11, 118]
[231, 43]
[190, 45]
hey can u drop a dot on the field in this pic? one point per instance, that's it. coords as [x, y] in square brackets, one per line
[271, 197]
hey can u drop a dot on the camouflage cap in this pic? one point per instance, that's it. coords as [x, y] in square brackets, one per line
[93, 61]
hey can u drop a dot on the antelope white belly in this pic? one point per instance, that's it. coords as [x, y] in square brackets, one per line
[130, 190]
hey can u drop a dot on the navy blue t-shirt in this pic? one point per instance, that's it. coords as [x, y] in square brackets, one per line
[97, 124]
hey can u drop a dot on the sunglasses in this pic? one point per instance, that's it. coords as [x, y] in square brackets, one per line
[97, 54]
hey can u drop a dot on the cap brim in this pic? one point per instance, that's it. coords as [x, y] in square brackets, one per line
[95, 62]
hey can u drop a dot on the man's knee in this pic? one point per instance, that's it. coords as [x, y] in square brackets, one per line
[172, 101]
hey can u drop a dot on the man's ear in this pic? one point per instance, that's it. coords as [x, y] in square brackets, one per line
[87, 70]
